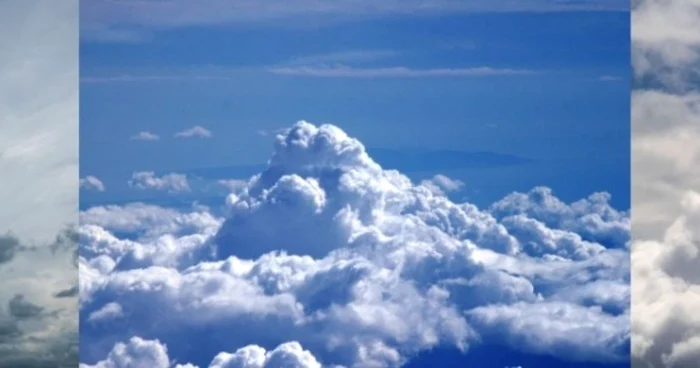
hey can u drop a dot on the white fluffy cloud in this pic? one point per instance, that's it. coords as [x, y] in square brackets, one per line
[92, 183]
[356, 264]
[666, 158]
[172, 183]
[139, 352]
[666, 39]
[136, 353]
[441, 184]
[667, 293]
[290, 354]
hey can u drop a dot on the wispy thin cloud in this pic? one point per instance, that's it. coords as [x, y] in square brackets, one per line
[441, 184]
[145, 136]
[196, 131]
[92, 183]
[304, 67]
[119, 21]
[399, 71]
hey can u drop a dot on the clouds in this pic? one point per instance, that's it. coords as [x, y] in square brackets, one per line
[517, 323]
[441, 184]
[358, 265]
[665, 40]
[23, 309]
[125, 21]
[92, 183]
[39, 143]
[145, 136]
[136, 353]
[109, 311]
[664, 124]
[38, 324]
[665, 120]
[667, 287]
[194, 132]
[8, 248]
[67, 293]
[39, 162]
[296, 68]
[152, 353]
[147, 180]
[394, 72]
[290, 354]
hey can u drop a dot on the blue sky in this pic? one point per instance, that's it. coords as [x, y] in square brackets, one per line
[582, 119]
[497, 100]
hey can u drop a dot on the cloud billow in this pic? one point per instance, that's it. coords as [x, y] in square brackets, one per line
[35, 329]
[326, 258]
[8, 248]
[665, 162]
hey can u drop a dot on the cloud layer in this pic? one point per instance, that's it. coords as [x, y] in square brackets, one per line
[125, 21]
[39, 141]
[394, 72]
[326, 258]
[39, 166]
[666, 129]
[38, 317]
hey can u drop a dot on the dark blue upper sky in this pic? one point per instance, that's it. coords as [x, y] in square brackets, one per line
[555, 95]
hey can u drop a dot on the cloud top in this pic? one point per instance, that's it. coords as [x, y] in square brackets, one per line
[326, 258]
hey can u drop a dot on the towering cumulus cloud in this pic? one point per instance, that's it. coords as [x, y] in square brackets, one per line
[326, 259]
